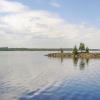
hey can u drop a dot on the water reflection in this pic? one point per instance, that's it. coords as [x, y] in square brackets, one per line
[81, 63]
[87, 61]
[32, 76]
[62, 58]
[77, 62]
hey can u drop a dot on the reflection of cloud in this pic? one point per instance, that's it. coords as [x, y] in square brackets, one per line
[23, 72]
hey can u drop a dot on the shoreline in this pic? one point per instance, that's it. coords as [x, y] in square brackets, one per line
[70, 55]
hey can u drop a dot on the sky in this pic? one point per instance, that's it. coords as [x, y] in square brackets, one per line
[49, 23]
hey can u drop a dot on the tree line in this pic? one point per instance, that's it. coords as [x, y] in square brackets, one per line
[82, 49]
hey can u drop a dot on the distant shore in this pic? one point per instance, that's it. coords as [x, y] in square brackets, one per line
[40, 49]
[79, 55]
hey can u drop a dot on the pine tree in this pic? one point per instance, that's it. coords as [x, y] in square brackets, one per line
[75, 50]
[82, 47]
[87, 50]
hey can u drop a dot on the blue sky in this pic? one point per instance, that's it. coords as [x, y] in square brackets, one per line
[49, 23]
[75, 11]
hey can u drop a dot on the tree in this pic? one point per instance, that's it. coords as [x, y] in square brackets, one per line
[82, 47]
[75, 50]
[61, 50]
[87, 50]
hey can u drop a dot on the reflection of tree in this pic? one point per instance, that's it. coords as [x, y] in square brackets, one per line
[62, 58]
[82, 64]
[75, 61]
[87, 61]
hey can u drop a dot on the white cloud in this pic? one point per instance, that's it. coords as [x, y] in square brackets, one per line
[39, 28]
[9, 6]
[54, 4]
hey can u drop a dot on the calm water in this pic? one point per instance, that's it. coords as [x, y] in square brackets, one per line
[33, 76]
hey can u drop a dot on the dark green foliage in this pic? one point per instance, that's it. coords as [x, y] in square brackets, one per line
[87, 50]
[75, 51]
[61, 50]
[82, 47]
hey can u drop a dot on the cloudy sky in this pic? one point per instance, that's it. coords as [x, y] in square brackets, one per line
[49, 23]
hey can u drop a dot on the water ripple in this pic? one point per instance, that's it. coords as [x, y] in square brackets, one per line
[32, 76]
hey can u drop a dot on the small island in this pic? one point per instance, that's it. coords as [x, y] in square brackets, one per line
[81, 52]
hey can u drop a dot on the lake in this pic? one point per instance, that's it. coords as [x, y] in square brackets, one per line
[32, 76]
